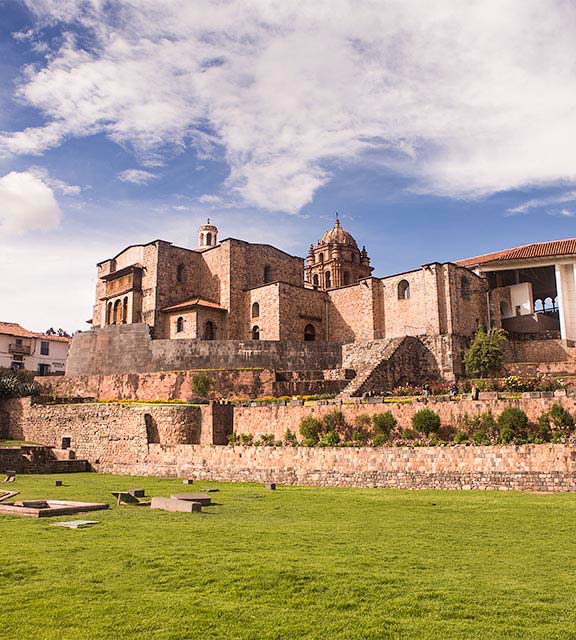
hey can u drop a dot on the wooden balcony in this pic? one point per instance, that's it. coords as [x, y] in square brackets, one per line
[23, 349]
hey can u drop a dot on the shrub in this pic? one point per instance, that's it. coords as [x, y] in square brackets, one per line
[555, 424]
[460, 437]
[484, 429]
[379, 440]
[267, 439]
[290, 438]
[16, 384]
[329, 439]
[512, 425]
[384, 422]
[233, 439]
[247, 439]
[426, 421]
[363, 422]
[334, 421]
[201, 384]
[486, 353]
[310, 428]
[359, 436]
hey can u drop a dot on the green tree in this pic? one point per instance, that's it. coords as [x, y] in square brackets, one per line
[485, 356]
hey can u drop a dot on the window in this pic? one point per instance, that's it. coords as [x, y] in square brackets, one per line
[209, 330]
[209, 239]
[309, 333]
[327, 280]
[109, 313]
[116, 313]
[403, 290]
[180, 325]
[346, 277]
[19, 341]
[267, 274]
[66, 442]
[44, 348]
[125, 310]
[255, 310]
[321, 257]
[465, 287]
[255, 332]
[180, 273]
[316, 281]
[43, 369]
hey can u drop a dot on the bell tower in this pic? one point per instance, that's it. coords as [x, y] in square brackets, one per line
[207, 236]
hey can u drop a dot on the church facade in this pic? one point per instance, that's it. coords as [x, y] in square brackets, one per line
[237, 290]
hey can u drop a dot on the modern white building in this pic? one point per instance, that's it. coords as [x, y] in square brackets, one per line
[37, 352]
[532, 289]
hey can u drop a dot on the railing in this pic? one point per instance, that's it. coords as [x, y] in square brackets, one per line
[24, 349]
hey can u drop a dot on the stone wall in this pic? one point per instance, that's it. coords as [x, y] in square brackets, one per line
[128, 348]
[110, 432]
[537, 351]
[524, 468]
[277, 419]
[30, 459]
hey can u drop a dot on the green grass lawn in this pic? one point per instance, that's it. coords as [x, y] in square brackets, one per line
[300, 562]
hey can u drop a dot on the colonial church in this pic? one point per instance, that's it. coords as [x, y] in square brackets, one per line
[237, 290]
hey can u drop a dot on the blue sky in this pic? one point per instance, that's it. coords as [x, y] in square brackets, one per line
[437, 132]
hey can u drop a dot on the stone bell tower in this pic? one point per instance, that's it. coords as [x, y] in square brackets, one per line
[207, 236]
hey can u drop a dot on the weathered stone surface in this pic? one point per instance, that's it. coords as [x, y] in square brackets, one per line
[171, 504]
[202, 498]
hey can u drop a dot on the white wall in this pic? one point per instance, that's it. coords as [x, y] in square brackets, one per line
[56, 358]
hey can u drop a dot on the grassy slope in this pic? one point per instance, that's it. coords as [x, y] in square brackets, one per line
[297, 563]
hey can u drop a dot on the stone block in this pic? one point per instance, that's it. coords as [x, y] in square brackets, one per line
[202, 498]
[137, 493]
[560, 393]
[174, 505]
[488, 395]
[187, 481]
[271, 486]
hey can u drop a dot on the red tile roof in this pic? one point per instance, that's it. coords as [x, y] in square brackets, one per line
[13, 329]
[194, 302]
[552, 248]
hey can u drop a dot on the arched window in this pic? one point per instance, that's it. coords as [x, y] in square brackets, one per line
[255, 332]
[465, 287]
[267, 274]
[255, 310]
[109, 313]
[403, 290]
[209, 239]
[315, 281]
[116, 312]
[180, 273]
[309, 333]
[548, 304]
[346, 277]
[209, 330]
[538, 306]
[125, 310]
[180, 325]
[327, 280]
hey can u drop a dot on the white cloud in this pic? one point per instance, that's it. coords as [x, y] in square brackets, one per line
[27, 203]
[54, 183]
[465, 98]
[137, 176]
[537, 203]
[562, 213]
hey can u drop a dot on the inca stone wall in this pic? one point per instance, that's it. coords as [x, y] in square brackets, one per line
[129, 348]
[525, 468]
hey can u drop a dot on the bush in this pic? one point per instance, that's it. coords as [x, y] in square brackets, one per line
[512, 425]
[17, 384]
[460, 437]
[486, 353]
[555, 424]
[363, 422]
[484, 429]
[290, 438]
[310, 428]
[334, 421]
[379, 440]
[267, 439]
[359, 436]
[384, 422]
[247, 439]
[329, 439]
[201, 384]
[426, 421]
[233, 439]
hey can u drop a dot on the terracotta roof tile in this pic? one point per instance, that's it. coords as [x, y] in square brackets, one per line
[14, 329]
[548, 249]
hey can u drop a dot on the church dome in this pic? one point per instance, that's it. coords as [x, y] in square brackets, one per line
[337, 235]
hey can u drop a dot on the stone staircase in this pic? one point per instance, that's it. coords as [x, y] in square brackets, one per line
[366, 359]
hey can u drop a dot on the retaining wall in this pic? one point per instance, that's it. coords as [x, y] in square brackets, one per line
[524, 468]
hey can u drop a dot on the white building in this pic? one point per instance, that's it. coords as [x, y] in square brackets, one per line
[38, 352]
